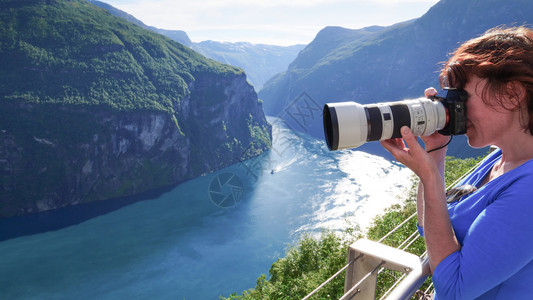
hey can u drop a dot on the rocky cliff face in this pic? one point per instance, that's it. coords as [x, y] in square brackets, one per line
[53, 156]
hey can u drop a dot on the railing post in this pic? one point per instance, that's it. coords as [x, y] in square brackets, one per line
[369, 256]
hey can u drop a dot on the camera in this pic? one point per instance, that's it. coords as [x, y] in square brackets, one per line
[350, 124]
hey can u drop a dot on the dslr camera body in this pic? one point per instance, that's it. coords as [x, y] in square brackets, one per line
[350, 124]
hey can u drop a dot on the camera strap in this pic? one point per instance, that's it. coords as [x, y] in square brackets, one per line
[449, 141]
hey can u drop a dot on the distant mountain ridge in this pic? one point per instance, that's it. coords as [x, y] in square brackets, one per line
[329, 39]
[388, 64]
[259, 61]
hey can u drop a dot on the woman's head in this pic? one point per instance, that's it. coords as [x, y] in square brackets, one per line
[504, 57]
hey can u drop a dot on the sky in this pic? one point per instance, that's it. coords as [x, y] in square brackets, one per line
[275, 22]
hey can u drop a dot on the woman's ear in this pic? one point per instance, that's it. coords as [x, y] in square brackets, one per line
[518, 98]
[517, 93]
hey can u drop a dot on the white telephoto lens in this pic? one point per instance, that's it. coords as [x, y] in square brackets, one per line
[350, 124]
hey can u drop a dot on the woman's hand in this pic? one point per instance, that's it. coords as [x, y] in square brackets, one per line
[409, 152]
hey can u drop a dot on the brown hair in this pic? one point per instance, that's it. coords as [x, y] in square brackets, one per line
[504, 57]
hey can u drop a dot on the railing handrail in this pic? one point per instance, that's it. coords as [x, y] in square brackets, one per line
[411, 283]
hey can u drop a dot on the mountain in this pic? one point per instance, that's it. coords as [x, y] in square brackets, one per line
[260, 62]
[387, 64]
[329, 39]
[93, 107]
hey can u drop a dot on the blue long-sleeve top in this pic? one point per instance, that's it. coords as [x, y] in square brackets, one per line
[494, 225]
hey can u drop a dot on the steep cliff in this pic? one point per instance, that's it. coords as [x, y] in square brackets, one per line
[93, 107]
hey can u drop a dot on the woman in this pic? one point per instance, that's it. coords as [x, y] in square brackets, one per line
[481, 246]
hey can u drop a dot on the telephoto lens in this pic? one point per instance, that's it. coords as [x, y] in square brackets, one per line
[350, 124]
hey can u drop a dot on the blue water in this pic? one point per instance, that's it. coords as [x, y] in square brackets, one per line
[206, 237]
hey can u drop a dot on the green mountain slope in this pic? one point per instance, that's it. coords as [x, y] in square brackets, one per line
[93, 107]
[71, 52]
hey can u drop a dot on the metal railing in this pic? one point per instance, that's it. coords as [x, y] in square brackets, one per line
[361, 276]
[366, 259]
